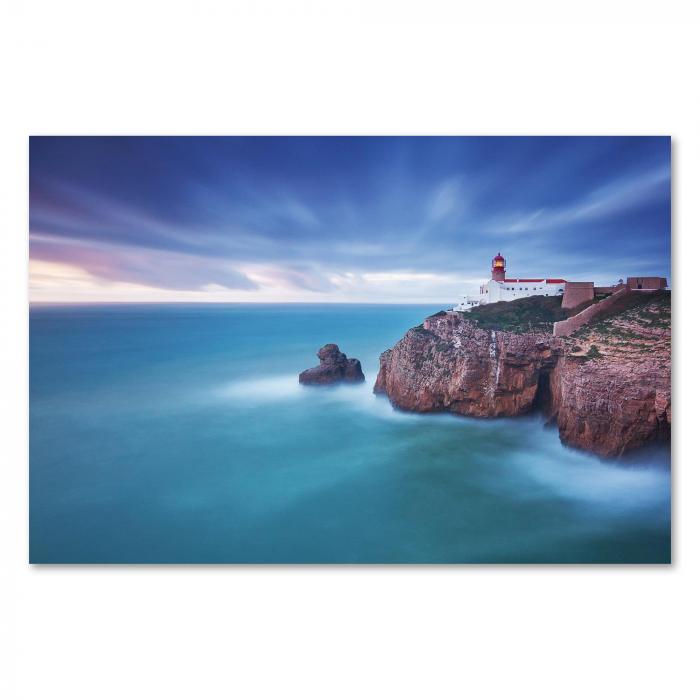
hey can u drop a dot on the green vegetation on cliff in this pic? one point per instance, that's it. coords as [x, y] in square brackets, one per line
[634, 317]
[530, 315]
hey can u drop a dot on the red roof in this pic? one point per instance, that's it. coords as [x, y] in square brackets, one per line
[548, 280]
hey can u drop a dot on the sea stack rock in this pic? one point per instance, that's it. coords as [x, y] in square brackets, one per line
[335, 367]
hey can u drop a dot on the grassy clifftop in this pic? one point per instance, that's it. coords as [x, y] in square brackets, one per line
[530, 315]
[646, 309]
[638, 324]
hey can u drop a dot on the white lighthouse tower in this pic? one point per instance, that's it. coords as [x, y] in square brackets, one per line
[502, 288]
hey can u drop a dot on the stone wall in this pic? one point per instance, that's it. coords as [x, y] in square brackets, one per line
[576, 293]
[647, 283]
[604, 291]
[568, 326]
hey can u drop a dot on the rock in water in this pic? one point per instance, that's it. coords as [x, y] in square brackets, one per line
[335, 367]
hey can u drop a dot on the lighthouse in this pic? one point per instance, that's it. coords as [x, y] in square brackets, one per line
[498, 268]
[502, 288]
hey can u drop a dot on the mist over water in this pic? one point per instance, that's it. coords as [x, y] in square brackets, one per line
[180, 433]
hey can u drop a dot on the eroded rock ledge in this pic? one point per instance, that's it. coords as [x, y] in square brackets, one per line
[607, 387]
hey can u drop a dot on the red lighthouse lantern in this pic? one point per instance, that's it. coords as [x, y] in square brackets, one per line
[498, 268]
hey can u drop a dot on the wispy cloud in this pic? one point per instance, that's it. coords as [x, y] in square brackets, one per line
[145, 267]
[448, 198]
[342, 219]
[620, 196]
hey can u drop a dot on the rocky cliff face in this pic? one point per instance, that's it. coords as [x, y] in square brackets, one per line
[449, 364]
[610, 407]
[611, 391]
[607, 387]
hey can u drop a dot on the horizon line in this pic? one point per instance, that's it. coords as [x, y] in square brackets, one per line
[251, 303]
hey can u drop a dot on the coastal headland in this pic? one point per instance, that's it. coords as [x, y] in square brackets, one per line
[605, 382]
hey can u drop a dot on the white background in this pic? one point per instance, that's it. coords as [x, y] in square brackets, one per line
[351, 68]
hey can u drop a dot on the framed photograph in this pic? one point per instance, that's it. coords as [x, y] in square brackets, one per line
[350, 350]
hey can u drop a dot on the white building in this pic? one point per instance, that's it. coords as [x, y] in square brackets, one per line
[501, 288]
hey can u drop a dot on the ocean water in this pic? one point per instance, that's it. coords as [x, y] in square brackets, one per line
[179, 433]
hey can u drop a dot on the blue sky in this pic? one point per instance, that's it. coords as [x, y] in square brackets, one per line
[347, 219]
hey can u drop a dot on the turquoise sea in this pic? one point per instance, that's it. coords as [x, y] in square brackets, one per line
[179, 433]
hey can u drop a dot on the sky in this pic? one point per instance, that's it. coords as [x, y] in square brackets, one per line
[339, 219]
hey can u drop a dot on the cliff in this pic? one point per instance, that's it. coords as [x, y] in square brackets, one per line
[607, 386]
[451, 364]
[611, 391]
